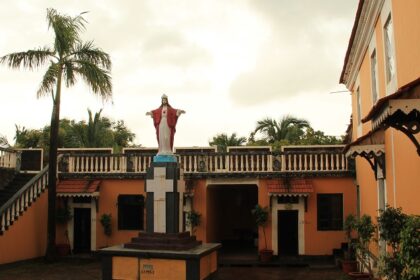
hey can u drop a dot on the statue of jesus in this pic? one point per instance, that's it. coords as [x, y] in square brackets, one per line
[164, 119]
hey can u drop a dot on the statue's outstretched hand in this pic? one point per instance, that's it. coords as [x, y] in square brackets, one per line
[148, 113]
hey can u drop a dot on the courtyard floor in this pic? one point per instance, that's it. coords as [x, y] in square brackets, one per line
[89, 269]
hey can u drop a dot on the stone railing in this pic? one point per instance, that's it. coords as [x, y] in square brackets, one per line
[9, 158]
[21, 200]
[198, 162]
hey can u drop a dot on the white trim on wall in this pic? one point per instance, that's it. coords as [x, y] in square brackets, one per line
[300, 207]
[358, 115]
[372, 50]
[386, 12]
[394, 179]
[93, 220]
[366, 26]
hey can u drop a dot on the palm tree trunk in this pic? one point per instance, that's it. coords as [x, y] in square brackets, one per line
[50, 254]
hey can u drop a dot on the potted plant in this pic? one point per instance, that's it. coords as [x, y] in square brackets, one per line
[391, 221]
[261, 218]
[63, 215]
[106, 224]
[365, 230]
[193, 220]
[349, 263]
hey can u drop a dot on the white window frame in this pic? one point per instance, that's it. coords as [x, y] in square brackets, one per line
[374, 76]
[359, 111]
[386, 15]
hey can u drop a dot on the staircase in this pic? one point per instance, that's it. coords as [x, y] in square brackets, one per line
[19, 194]
[6, 175]
[13, 186]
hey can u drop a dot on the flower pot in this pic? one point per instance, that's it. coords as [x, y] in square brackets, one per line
[63, 249]
[266, 255]
[359, 275]
[349, 266]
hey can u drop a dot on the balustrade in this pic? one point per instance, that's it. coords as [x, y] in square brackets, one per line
[8, 158]
[199, 162]
[16, 205]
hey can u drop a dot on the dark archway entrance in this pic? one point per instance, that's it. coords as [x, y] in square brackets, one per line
[229, 218]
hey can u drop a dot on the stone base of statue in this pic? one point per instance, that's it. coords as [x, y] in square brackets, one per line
[164, 195]
[199, 262]
[163, 251]
[164, 158]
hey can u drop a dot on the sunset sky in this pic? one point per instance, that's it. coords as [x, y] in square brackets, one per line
[226, 63]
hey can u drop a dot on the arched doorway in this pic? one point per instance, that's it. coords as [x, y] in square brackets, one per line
[230, 221]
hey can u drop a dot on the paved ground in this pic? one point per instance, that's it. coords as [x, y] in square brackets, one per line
[89, 269]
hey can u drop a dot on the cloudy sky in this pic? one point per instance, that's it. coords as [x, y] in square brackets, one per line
[226, 63]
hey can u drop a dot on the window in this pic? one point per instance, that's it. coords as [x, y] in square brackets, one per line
[389, 50]
[330, 211]
[359, 106]
[130, 212]
[373, 74]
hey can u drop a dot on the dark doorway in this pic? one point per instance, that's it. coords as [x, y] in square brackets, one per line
[230, 221]
[82, 225]
[287, 232]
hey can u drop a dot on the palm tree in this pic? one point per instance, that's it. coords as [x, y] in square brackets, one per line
[93, 129]
[222, 141]
[288, 128]
[68, 59]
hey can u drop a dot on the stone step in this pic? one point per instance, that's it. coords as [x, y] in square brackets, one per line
[163, 241]
[163, 246]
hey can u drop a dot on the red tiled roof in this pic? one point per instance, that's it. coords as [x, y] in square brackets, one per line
[295, 186]
[77, 186]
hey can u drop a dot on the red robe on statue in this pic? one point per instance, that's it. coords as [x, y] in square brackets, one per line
[171, 118]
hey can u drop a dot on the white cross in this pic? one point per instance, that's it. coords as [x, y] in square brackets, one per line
[159, 186]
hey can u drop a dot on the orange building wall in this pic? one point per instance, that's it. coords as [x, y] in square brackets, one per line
[27, 237]
[264, 201]
[407, 39]
[407, 174]
[109, 191]
[368, 188]
[323, 242]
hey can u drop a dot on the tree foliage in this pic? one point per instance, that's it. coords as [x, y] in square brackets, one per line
[289, 130]
[68, 58]
[391, 222]
[410, 248]
[97, 132]
[222, 141]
